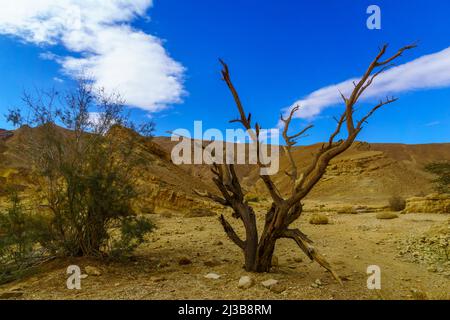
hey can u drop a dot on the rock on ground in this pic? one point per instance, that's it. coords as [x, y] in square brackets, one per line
[92, 271]
[269, 283]
[245, 282]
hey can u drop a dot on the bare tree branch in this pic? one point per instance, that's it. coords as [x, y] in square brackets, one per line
[231, 233]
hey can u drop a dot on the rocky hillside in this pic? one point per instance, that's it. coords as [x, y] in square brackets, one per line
[163, 185]
[364, 174]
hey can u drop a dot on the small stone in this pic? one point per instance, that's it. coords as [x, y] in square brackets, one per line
[314, 285]
[245, 282]
[218, 243]
[184, 261]
[318, 282]
[298, 259]
[269, 283]
[93, 271]
[84, 276]
[277, 288]
[213, 276]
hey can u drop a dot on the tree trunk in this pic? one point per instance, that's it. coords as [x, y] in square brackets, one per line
[259, 260]
[266, 245]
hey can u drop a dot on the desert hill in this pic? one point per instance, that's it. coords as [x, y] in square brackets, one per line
[364, 174]
[163, 185]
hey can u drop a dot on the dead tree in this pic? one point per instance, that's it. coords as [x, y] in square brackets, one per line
[284, 210]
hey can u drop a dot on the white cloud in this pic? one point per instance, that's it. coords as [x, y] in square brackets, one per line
[103, 44]
[426, 72]
[432, 124]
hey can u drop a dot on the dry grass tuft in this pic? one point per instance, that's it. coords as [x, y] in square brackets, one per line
[318, 218]
[386, 215]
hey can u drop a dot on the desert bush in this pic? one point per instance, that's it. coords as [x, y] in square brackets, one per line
[347, 210]
[86, 171]
[442, 171]
[16, 239]
[19, 240]
[397, 203]
[132, 234]
[318, 218]
[386, 215]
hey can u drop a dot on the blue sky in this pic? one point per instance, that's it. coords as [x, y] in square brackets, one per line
[279, 52]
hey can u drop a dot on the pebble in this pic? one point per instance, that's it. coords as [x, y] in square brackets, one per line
[213, 276]
[269, 283]
[245, 282]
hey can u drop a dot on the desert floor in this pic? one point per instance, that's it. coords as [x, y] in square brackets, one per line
[350, 242]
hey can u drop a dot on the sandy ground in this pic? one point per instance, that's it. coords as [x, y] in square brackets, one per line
[351, 243]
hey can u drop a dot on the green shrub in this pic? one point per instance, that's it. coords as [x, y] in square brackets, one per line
[86, 171]
[132, 234]
[18, 240]
[442, 171]
[15, 240]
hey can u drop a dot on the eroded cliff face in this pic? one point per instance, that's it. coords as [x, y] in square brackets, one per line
[156, 199]
[433, 203]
